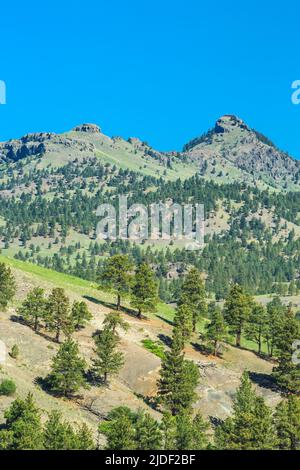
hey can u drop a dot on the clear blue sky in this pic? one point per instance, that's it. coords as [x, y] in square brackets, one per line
[160, 70]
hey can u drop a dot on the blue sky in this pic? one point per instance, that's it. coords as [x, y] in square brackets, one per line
[162, 70]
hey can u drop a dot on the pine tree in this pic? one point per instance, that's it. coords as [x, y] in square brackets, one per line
[58, 435]
[148, 435]
[183, 321]
[178, 379]
[168, 428]
[58, 312]
[191, 433]
[251, 426]
[144, 290]
[67, 374]
[257, 327]
[275, 318]
[116, 276]
[287, 373]
[80, 315]
[7, 285]
[109, 361]
[237, 310]
[216, 330]
[84, 438]
[114, 320]
[193, 294]
[33, 308]
[287, 421]
[119, 430]
[23, 428]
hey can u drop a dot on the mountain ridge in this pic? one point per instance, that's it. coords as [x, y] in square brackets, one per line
[230, 151]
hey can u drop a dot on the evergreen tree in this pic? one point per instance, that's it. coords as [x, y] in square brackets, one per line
[84, 438]
[148, 435]
[287, 373]
[119, 430]
[109, 360]
[287, 421]
[7, 285]
[251, 426]
[257, 327]
[80, 315]
[168, 428]
[183, 321]
[275, 318]
[144, 290]
[191, 433]
[67, 374]
[58, 312]
[23, 428]
[114, 320]
[216, 330]
[237, 310]
[33, 308]
[178, 379]
[116, 276]
[193, 294]
[58, 435]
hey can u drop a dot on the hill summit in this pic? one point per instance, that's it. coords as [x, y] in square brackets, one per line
[230, 151]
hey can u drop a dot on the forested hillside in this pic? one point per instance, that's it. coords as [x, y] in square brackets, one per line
[125, 345]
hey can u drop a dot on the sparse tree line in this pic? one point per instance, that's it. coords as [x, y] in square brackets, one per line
[126, 280]
[54, 313]
[253, 425]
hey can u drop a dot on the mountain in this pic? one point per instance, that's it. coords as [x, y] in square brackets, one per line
[52, 184]
[232, 144]
[231, 151]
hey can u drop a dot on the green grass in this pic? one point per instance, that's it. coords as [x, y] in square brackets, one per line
[72, 283]
[154, 347]
[83, 287]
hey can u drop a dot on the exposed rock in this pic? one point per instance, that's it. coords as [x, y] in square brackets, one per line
[232, 141]
[90, 128]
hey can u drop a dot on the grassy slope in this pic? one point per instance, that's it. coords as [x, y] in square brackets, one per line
[72, 283]
[87, 288]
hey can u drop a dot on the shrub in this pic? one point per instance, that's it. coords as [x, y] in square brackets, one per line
[7, 387]
[155, 347]
[14, 353]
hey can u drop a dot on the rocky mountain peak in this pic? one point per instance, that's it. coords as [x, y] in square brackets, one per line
[88, 128]
[228, 123]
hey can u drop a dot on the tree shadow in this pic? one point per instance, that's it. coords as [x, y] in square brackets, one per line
[201, 348]
[94, 380]
[18, 319]
[170, 322]
[215, 421]
[43, 383]
[43, 334]
[148, 400]
[264, 381]
[129, 311]
[167, 340]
